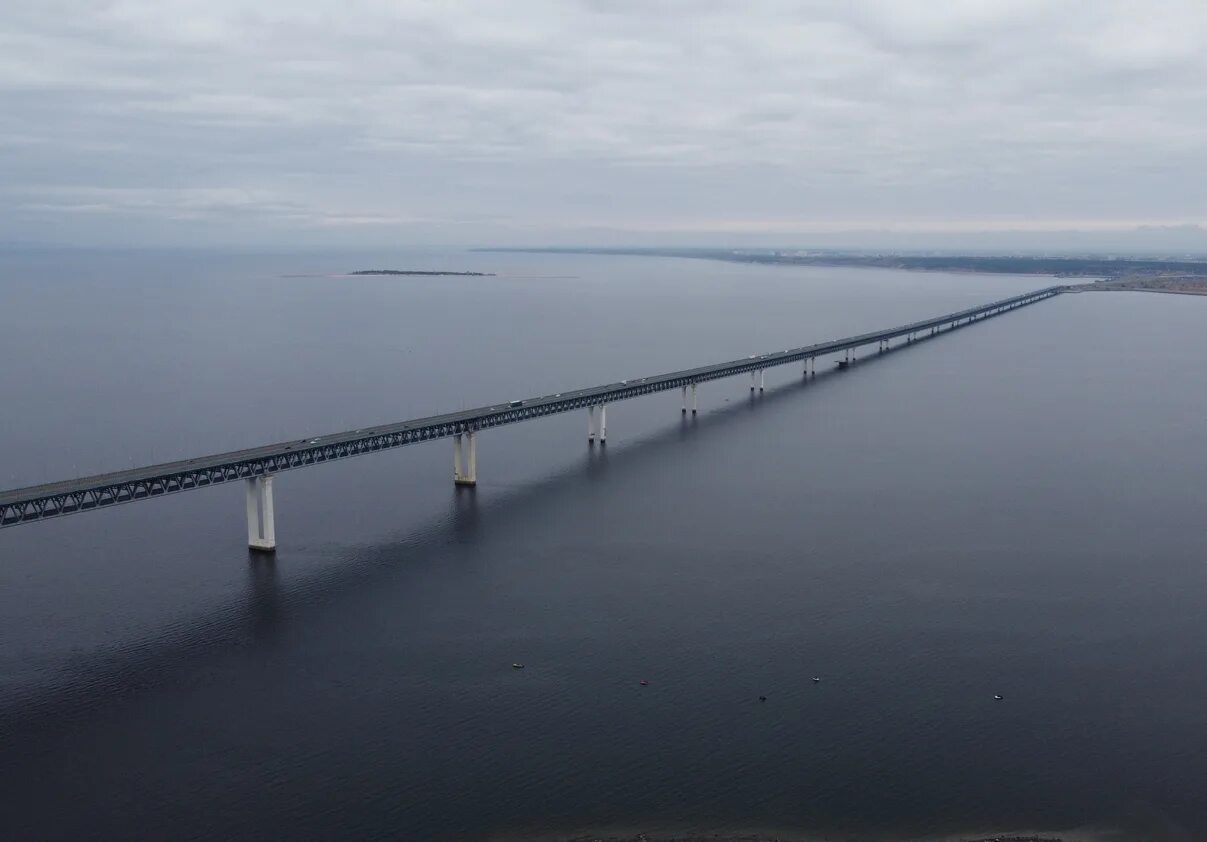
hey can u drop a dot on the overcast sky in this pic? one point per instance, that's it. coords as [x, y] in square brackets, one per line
[600, 121]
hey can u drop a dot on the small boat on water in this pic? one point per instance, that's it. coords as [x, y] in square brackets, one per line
[517, 666]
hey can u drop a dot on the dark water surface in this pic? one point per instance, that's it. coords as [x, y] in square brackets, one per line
[1016, 508]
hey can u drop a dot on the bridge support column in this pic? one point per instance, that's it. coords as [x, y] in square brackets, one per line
[590, 425]
[261, 525]
[684, 400]
[468, 476]
[753, 380]
[762, 379]
[603, 423]
[694, 404]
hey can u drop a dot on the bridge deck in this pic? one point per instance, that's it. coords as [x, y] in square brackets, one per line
[38, 502]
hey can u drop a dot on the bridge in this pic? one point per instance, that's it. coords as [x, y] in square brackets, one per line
[256, 466]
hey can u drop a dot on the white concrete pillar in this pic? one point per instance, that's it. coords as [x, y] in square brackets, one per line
[753, 380]
[590, 424]
[471, 475]
[684, 400]
[762, 379]
[253, 513]
[467, 475]
[261, 523]
[603, 423]
[694, 399]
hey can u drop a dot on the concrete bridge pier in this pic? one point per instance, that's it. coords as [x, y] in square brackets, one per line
[684, 400]
[591, 425]
[753, 380]
[694, 403]
[603, 423]
[762, 379]
[469, 476]
[261, 525]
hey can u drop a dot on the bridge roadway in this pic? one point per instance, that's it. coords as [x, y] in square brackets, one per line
[257, 465]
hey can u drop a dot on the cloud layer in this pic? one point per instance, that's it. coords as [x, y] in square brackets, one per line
[597, 120]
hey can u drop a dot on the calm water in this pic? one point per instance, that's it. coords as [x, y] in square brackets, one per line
[1016, 508]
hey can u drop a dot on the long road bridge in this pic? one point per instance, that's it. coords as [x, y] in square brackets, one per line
[257, 465]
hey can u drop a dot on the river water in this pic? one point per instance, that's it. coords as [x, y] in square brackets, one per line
[1013, 509]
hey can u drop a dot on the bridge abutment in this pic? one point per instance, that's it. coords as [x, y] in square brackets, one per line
[261, 523]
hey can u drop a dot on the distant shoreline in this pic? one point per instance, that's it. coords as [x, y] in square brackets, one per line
[1141, 274]
[1182, 285]
[422, 272]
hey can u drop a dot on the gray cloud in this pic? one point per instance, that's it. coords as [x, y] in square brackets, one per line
[558, 121]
